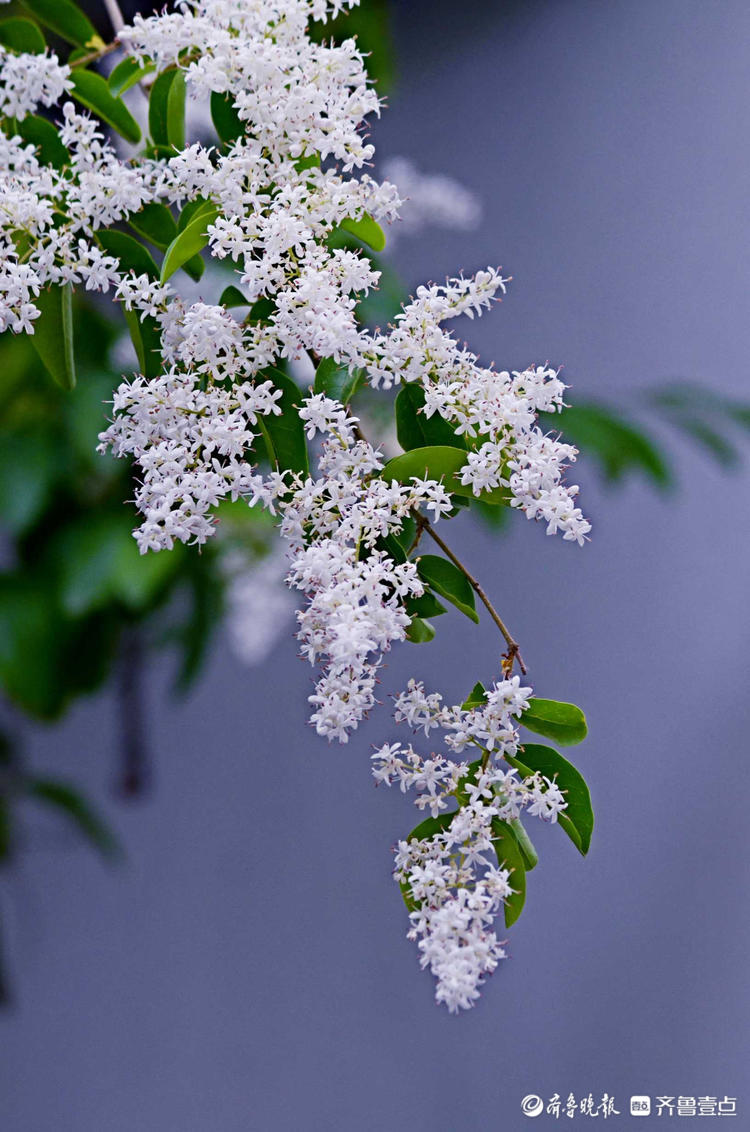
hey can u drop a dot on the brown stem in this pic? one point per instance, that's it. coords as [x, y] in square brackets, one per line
[92, 56]
[514, 652]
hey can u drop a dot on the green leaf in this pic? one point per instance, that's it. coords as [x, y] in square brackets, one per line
[87, 553]
[438, 462]
[367, 230]
[510, 857]
[414, 429]
[525, 844]
[53, 334]
[337, 381]
[127, 73]
[72, 804]
[21, 35]
[188, 243]
[145, 334]
[578, 818]
[285, 434]
[426, 605]
[419, 632]
[556, 720]
[91, 91]
[66, 19]
[29, 473]
[44, 137]
[155, 223]
[447, 580]
[131, 254]
[227, 122]
[233, 297]
[476, 698]
[166, 110]
[618, 445]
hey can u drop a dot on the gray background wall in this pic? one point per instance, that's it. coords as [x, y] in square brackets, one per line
[247, 968]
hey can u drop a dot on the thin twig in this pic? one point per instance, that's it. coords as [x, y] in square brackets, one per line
[92, 56]
[514, 652]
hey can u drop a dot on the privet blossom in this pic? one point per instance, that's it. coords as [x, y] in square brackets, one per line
[280, 194]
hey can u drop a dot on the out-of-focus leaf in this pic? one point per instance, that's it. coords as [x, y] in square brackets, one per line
[29, 469]
[618, 446]
[71, 804]
[91, 91]
[146, 337]
[22, 36]
[53, 334]
[66, 19]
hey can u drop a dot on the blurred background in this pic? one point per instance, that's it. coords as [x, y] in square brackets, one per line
[199, 928]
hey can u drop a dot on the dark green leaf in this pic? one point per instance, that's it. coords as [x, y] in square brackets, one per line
[414, 429]
[67, 20]
[427, 605]
[131, 254]
[44, 137]
[509, 856]
[565, 723]
[229, 126]
[419, 632]
[29, 471]
[166, 110]
[438, 462]
[53, 334]
[21, 35]
[337, 381]
[367, 230]
[190, 241]
[145, 333]
[127, 73]
[578, 818]
[74, 806]
[156, 223]
[285, 434]
[233, 297]
[447, 580]
[476, 697]
[91, 91]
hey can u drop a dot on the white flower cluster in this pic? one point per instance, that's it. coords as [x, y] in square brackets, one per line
[27, 80]
[453, 890]
[355, 590]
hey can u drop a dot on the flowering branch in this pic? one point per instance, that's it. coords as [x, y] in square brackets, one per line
[280, 197]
